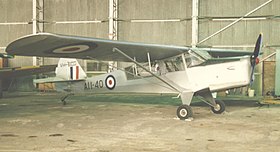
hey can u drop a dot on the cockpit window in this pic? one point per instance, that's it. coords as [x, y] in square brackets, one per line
[174, 64]
[177, 64]
[192, 58]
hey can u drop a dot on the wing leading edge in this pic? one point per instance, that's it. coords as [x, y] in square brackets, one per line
[53, 45]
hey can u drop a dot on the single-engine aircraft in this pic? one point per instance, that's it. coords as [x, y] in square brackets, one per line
[183, 71]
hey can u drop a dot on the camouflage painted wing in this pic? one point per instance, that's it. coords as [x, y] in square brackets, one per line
[53, 45]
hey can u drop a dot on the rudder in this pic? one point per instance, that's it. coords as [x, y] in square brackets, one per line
[69, 69]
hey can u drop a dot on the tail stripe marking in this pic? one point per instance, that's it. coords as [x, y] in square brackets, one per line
[77, 72]
[71, 73]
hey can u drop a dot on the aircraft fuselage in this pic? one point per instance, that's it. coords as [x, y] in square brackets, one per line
[215, 76]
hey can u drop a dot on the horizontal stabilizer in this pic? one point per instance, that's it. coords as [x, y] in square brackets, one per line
[54, 80]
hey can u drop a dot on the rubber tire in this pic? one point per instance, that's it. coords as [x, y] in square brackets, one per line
[184, 112]
[221, 109]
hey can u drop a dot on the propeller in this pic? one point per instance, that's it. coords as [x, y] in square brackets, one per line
[254, 57]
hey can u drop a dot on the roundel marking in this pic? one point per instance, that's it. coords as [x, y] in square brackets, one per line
[71, 49]
[110, 82]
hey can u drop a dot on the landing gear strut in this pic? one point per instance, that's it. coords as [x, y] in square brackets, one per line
[184, 112]
[63, 99]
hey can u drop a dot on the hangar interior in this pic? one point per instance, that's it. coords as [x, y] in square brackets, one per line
[172, 22]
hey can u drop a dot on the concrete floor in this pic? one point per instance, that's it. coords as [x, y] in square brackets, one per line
[38, 122]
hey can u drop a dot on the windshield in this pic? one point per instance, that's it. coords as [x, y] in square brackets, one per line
[193, 60]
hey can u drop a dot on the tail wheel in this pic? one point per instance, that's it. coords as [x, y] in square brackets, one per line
[220, 107]
[184, 112]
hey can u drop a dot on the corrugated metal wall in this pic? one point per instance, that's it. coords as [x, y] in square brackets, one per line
[244, 32]
[19, 14]
[73, 10]
[15, 11]
[59, 13]
[162, 32]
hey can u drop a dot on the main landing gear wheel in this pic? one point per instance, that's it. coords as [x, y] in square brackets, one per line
[220, 108]
[184, 112]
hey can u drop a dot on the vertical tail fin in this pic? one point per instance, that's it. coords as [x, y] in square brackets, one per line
[69, 69]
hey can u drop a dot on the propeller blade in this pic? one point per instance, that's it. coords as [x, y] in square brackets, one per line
[257, 47]
[254, 57]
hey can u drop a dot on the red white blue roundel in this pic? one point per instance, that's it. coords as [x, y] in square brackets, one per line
[71, 49]
[110, 82]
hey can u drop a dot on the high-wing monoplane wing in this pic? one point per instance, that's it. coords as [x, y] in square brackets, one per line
[52, 45]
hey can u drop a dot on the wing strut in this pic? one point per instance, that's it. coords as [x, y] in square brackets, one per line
[149, 60]
[147, 70]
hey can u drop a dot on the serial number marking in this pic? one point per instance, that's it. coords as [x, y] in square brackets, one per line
[69, 64]
[93, 85]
